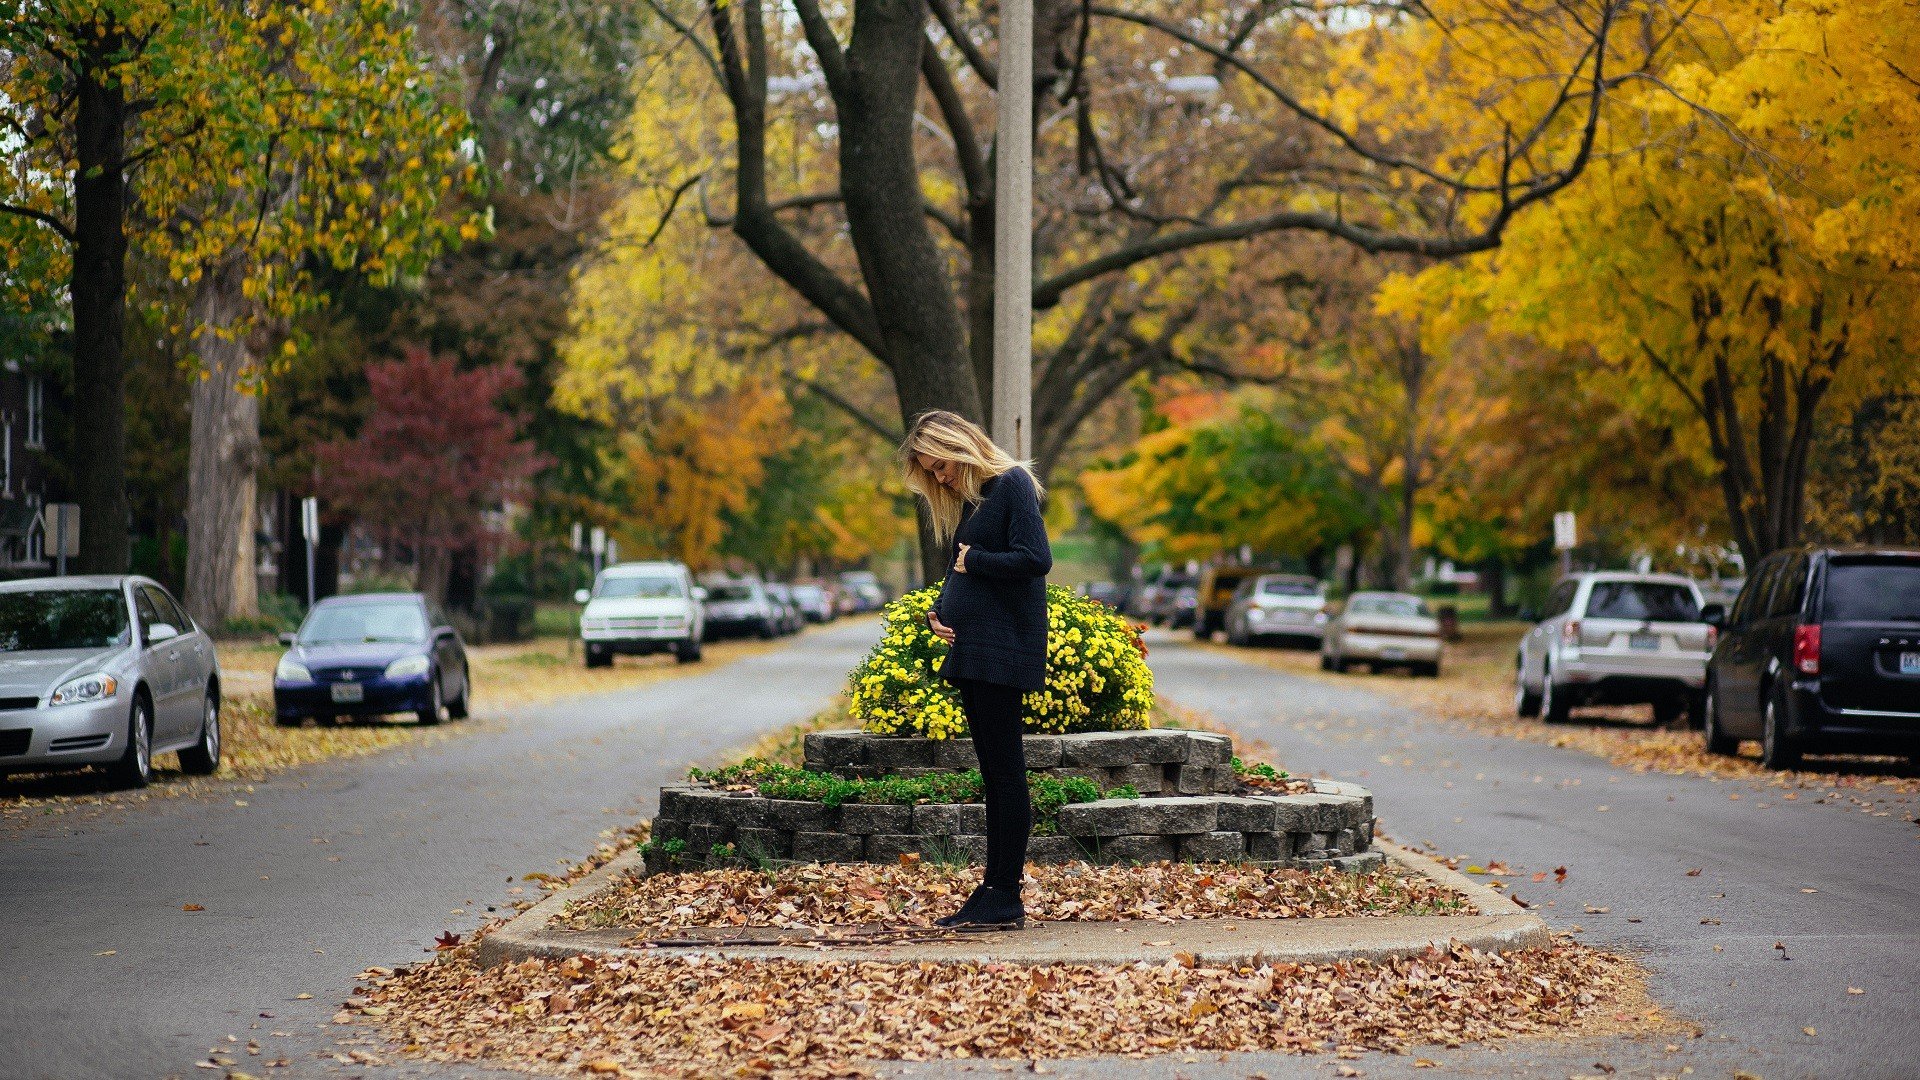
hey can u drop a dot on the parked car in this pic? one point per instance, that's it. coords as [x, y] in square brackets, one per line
[1822, 653]
[864, 589]
[740, 606]
[640, 608]
[1383, 629]
[816, 603]
[1286, 607]
[104, 671]
[1162, 600]
[369, 655]
[1616, 639]
[781, 595]
[1214, 594]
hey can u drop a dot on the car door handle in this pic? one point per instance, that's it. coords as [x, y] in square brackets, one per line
[173, 656]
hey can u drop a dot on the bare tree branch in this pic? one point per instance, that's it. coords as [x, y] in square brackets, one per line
[865, 419]
[977, 60]
[43, 218]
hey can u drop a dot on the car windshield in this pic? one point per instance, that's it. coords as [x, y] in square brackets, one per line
[723, 593]
[808, 593]
[1399, 607]
[1884, 591]
[651, 587]
[335, 623]
[62, 619]
[1289, 588]
[1649, 601]
[1175, 582]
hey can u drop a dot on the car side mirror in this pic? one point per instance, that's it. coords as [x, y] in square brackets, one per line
[287, 640]
[160, 631]
[1714, 615]
[581, 596]
[699, 593]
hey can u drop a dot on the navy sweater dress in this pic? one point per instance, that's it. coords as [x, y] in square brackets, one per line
[998, 607]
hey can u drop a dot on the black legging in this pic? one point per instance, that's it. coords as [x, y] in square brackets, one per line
[993, 714]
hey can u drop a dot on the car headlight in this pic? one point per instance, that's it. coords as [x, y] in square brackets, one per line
[1320, 617]
[96, 687]
[408, 667]
[1256, 613]
[291, 670]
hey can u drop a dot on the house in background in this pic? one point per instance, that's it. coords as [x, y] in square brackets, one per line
[23, 471]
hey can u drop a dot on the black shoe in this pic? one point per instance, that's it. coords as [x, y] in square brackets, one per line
[989, 908]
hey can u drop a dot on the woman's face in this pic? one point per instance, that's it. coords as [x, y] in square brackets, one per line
[945, 473]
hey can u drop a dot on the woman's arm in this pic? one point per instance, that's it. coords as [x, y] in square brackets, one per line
[1027, 554]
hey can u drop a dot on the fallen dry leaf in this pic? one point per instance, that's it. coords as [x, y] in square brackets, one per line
[192, 907]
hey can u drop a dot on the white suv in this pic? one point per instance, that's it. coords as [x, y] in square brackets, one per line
[1616, 639]
[640, 608]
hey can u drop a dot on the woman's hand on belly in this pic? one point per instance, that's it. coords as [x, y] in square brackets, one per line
[940, 630]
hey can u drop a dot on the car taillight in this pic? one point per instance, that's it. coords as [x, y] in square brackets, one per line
[1570, 631]
[1806, 649]
[1713, 637]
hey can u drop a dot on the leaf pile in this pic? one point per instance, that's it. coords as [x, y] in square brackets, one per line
[694, 1016]
[917, 894]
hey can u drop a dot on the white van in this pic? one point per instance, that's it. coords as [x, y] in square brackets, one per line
[641, 608]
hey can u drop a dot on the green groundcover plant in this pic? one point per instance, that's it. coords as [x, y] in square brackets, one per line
[1097, 675]
[777, 781]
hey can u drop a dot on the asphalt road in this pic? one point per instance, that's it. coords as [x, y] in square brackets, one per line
[1836, 885]
[333, 868]
[311, 878]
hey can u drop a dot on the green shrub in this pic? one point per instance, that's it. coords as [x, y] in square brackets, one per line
[776, 781]
[1097, 675]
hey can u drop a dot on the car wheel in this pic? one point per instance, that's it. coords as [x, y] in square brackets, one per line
[457, 708]
[1526, 703]
[288, 721]
[687, 651]
[1718, 741]
[430, 715]
[1554, 707]
[1326, 662]
[1777, 748]
[1340, 665]
[598, 657]
[1430, 669]
[203, 757]
[135, 767]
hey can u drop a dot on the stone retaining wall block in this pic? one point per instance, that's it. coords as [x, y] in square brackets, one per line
[799, 815]
[955, 755]
[888, 847]
[1136, 849]
[950, 819]
[666, 828]
[892, 752]
[1122, 817]
[1246, 815]
[1208, 748]
[1145, 778]
[1043, 751]
[1214, 847]
[1108, 749]
[868, 818]
[1191, 779]
[835, 747]
[763, 844]
[740, 811]
[828, 847]
[951, 849]
[1051, 849]
[1269, 846]
[701, 838]
[1223, 778]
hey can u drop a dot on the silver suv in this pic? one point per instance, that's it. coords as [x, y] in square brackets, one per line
[1616, 639]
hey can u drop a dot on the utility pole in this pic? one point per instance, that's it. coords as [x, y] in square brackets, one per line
[1013, 235]
[310, 530]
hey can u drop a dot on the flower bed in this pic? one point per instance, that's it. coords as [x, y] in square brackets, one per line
[917, 893]
[1097, 675]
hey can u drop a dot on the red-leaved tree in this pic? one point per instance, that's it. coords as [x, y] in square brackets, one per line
[434, 461]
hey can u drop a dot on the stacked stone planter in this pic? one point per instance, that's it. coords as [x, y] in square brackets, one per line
[1192, 808]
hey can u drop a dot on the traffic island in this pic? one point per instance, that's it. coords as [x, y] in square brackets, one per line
[1114, 797]
[539, 994]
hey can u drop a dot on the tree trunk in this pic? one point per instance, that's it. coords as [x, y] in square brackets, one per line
[433, 565]
[99, 295]
[224, 457]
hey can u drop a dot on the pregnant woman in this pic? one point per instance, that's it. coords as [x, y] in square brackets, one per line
[992, 611]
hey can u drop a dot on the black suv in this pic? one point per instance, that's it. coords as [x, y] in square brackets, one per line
[1821, 652]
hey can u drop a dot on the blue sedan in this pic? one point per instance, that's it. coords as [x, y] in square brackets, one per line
[370, 655]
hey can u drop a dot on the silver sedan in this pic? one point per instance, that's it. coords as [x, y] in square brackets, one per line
[104, 671]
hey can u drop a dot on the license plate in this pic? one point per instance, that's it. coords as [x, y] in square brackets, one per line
[1910, 663]
[1644, 641]
[347, 693]
[1393, 654]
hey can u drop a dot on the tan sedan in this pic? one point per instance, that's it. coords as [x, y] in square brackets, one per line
[1381, 630]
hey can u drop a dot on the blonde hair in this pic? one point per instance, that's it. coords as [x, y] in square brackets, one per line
[946, 436]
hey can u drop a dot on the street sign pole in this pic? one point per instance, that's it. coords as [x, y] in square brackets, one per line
[1565, 538]
[1013, 235]
[310, 530]
[598, 543]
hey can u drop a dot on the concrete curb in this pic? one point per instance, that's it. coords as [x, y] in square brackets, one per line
[1214, 942]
